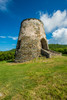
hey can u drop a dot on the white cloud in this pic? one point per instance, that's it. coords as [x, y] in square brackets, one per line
[59, 36]
[4, 4]
[52, 22]
[14, 38]
[13, 44]
[2, 36]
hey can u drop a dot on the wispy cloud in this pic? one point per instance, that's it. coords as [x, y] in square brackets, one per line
[2, 36]
[14, 38]
[4, 4]
[57, 20]
[13, 44]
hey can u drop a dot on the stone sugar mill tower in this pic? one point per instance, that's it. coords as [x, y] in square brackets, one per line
[32, 42]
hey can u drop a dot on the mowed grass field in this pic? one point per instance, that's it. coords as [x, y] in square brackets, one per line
[39, 79]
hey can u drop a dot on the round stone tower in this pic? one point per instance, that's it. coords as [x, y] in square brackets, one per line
[31, 40]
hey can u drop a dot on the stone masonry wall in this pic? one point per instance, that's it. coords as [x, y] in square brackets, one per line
[29, 41]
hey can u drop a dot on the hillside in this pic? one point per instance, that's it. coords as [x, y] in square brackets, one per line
[58, 48]
[7, 55]
[39, 79]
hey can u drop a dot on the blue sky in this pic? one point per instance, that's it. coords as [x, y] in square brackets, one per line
[53, 13]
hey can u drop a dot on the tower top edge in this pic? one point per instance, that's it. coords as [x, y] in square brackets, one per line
[32, 19]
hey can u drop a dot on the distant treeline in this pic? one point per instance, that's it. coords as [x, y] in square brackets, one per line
[7, 55]
[10, 55]
[58, 48]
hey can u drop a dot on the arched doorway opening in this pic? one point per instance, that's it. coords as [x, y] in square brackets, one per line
[44, 44]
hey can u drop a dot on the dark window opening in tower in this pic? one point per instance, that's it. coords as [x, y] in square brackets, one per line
[44, 44]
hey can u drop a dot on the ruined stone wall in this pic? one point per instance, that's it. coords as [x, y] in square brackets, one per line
[29, 41]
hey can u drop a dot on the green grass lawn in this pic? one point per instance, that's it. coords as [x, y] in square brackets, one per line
[39, 79]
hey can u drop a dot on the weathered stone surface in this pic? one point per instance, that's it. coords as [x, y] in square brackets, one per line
[31, 39]
[32, 42]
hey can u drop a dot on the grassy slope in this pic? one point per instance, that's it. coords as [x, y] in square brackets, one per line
[39, 79]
